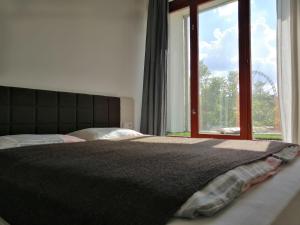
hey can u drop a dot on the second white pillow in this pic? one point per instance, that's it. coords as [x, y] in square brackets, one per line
[91, 134]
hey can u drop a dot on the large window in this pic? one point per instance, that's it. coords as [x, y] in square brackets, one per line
[265, 104]
[218, 72]
[210, 69]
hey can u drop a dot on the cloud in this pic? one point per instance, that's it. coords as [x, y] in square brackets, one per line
[228, 12]
[228, 9]
[221, 52]
[264, 47]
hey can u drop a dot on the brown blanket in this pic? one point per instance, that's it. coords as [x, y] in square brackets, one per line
[142, 181]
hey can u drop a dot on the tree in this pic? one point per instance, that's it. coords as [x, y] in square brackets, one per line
[263, 104]
[219, 100]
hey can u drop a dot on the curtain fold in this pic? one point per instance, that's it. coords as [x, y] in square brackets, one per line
[288, 49]
[153, 118]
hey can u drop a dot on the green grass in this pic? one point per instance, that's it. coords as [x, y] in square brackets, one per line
[180, 134]
[275, 137]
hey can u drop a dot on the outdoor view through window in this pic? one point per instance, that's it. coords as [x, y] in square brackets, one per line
[219, 71]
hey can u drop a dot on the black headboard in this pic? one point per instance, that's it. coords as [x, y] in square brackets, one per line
[29, 111]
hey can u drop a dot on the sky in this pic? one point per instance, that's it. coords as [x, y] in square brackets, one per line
[218, 37]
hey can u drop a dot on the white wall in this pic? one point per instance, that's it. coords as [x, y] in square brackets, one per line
[88, 46]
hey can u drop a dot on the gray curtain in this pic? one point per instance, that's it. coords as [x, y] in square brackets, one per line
[153, 118]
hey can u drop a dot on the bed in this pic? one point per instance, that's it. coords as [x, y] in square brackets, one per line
[273, 202]
[281, 210]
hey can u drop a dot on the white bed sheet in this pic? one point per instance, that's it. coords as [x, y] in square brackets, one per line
[275, 202]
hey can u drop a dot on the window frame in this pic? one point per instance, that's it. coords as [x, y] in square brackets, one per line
[244, 21]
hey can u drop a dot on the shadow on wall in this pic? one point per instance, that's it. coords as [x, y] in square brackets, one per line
[68, 8]
[4, 39]
[90, 46]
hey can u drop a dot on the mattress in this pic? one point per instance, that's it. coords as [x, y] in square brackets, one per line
[274, 202]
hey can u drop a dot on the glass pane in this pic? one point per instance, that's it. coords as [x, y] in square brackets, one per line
[178, 108]
[219, 68]
[265, 105]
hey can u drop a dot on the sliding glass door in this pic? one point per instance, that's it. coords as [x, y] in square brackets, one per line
[265, 99]
[218, 69]
[220, 87]
[219, 77]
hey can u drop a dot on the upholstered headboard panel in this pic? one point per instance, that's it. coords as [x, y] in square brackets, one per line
[29, 111]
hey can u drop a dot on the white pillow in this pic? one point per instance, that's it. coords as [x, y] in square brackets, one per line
[13, 141]
[91, 134]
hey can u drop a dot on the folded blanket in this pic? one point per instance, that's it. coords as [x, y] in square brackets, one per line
[224, 189]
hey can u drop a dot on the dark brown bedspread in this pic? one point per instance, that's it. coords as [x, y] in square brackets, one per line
[142, 181]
